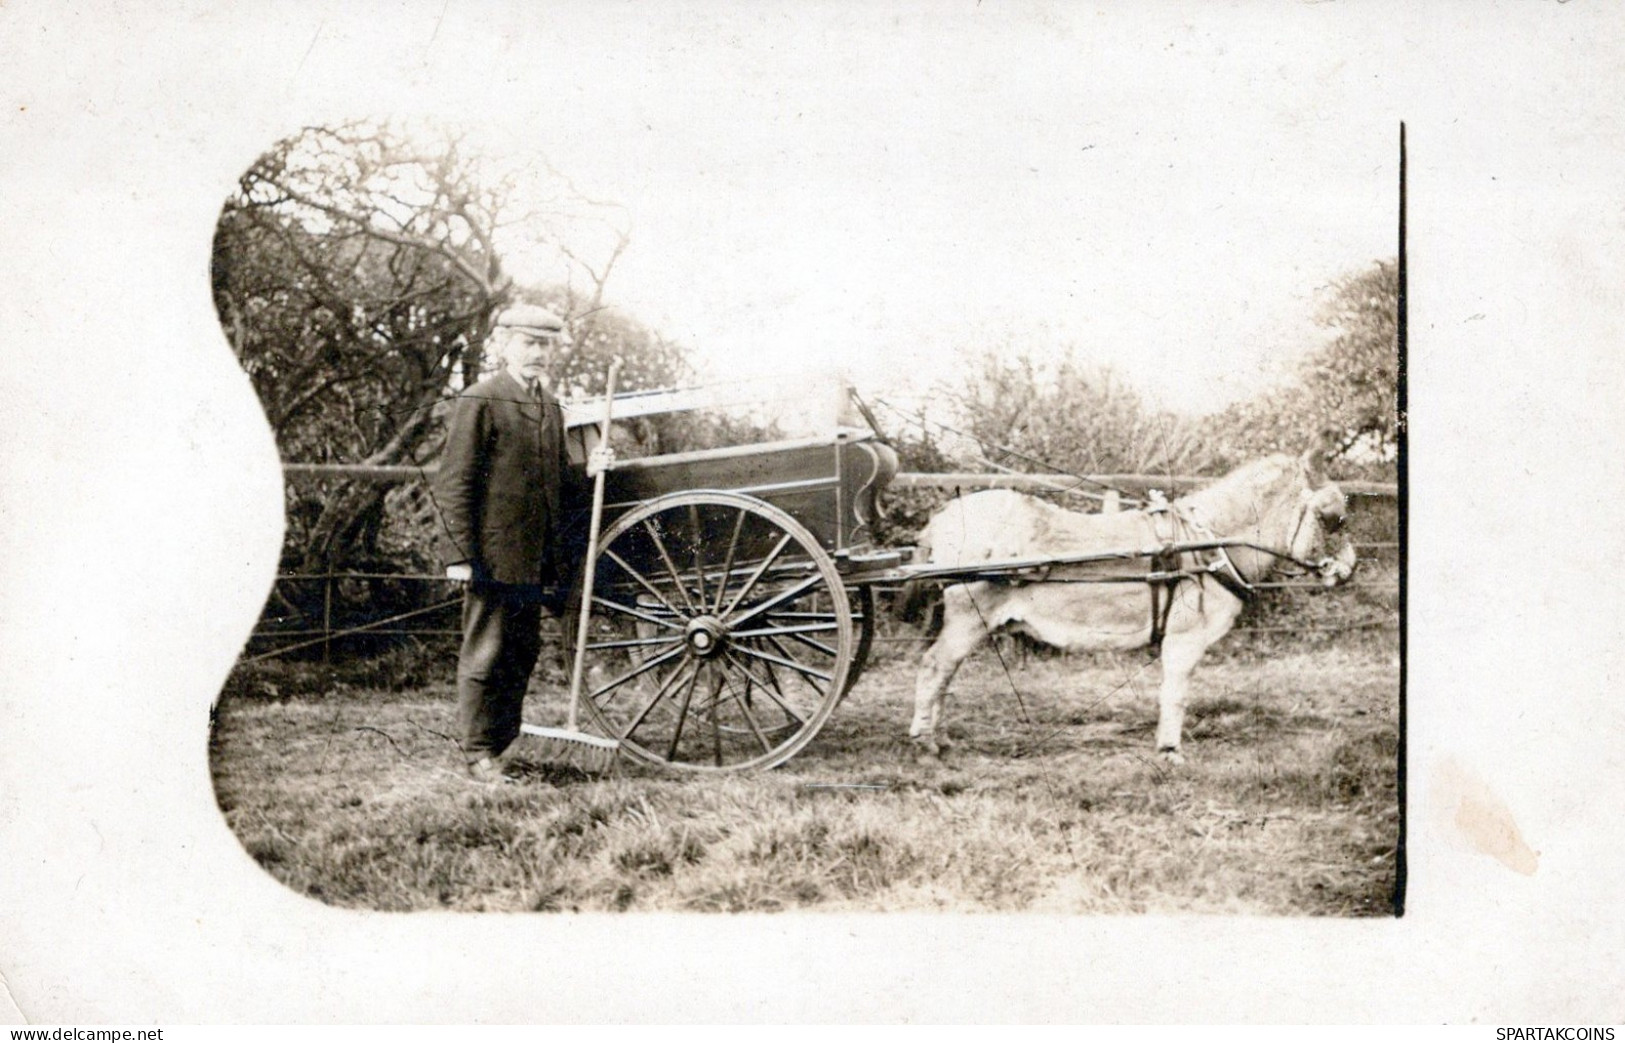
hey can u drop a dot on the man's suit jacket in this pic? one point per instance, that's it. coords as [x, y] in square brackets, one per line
[505, 484]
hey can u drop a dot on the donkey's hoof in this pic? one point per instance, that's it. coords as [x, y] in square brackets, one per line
[1171, 756]
[928, 752]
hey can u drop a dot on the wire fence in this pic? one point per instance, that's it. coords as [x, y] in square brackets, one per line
[439, 619]
[432, 610]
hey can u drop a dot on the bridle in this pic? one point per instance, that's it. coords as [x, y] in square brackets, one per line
[1224, 569]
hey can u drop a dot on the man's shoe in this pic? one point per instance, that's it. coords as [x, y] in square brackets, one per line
[491, 771]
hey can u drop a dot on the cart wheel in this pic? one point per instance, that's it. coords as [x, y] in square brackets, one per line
[862, 604]
[721, 636]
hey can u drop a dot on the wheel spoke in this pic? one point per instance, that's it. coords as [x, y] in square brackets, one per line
[716, 714]
[800, 668]
[638, 577]
[671, 568]
[750, 584]
[698, 542]
[682, 713]
[774, 692]
[800, 634]
[634, 642]
[637, 671]
[773, 682]
[788, 631]
[728, 561]
[750, 718]
[779, 647]
[776, 600]
[637, 613]
[819, 645]
[660, 693]
[814, 662]
[797, 631]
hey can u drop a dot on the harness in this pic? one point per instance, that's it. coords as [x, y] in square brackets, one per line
[1164, 575]
[1186, 549]
[1171, 526]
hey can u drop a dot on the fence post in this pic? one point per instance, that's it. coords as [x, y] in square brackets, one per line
[1112, 502]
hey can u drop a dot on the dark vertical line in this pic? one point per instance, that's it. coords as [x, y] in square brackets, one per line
[1402, 404]
[327, 615]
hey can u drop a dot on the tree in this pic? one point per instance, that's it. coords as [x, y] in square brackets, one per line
[356, 271]
[1354, 380]
[1343, 395]
[1067, 416]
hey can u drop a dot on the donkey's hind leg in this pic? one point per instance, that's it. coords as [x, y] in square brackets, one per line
[964, 627]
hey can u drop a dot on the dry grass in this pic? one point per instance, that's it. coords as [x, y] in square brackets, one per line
[1051, 802]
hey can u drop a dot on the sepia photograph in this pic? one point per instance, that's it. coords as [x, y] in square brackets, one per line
[810, 513]
[922, 634]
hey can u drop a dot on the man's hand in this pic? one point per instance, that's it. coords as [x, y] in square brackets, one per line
[600, 460]
[463, 573]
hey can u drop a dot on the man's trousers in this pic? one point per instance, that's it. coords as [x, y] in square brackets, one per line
[501, 641]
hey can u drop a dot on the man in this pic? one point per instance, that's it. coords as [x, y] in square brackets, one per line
[503, 490]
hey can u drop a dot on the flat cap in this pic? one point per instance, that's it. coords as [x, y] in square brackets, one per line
[531, 318]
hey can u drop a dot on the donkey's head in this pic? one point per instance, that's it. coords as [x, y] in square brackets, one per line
[1318, 521]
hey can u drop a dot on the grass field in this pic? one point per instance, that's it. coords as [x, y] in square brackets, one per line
[1051, 802]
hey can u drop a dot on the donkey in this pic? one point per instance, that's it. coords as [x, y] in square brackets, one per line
[1280, 509]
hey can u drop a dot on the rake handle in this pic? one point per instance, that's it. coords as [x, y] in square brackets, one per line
[584, 613]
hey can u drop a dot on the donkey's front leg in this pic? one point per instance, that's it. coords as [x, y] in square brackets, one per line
[1180, 654]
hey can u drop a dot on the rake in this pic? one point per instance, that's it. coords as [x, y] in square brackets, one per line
[569, 745]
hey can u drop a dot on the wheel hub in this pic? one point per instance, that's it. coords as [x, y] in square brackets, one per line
[706, 636]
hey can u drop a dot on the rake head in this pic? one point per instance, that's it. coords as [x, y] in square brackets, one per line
[593, 754]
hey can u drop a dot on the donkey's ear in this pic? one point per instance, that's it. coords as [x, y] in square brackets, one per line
[1314, 466]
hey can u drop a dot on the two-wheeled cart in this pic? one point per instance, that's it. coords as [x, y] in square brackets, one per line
[732, 606]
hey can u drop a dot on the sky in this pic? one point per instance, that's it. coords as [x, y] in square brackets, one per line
[831, 186]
